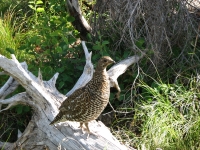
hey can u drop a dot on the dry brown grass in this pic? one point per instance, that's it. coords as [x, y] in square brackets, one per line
[167, 28]
[170, 30]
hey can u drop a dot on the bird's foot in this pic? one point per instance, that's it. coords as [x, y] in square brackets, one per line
[91, 133]
[87, 130]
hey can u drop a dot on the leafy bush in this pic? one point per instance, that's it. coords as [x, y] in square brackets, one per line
[45, 40]
[51, 43]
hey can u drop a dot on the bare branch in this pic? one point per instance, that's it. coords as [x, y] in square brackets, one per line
[21, 98]
[80, 22]
[87, 72]
[53, 79]
[10, 85]
[28, 81]
[46, 99]
[118, 69]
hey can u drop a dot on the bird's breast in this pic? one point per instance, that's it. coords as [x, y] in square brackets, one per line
[98, 93]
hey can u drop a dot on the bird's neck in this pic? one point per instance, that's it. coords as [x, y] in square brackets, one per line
[100, 71]
[101, 76]
[100, 80]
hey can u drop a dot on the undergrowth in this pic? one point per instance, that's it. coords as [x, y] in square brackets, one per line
[166, 116]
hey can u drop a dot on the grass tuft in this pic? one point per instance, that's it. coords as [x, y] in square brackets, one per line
[11, 33]
[166, 117]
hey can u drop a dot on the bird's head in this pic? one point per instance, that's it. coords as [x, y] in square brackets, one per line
[104, 62]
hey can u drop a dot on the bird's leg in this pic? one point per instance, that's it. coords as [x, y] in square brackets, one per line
[88, 130]
[81, 126]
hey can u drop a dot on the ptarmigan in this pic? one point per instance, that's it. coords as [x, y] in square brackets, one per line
[88, 102]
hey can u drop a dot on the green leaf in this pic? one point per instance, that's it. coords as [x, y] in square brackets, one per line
[59, 49]
[38, 41]
[55, 33]
[40, 10]
[112, 96]
[140, 43]
[26, 108]
[31, 2]
[126, 54]
[71, 40]
[19, 109]
[65, 47]
[70, 19]
[65, 39]
[60, 70]
[31, 6]
[39, 2]
[121, 97]
[104, 53]
[80, 68]
[96, 47]
[10, 50]
[105, 42]
[68, 78]
[61, 84]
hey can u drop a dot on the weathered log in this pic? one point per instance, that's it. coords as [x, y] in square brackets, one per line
[80, 22]
[44, 99]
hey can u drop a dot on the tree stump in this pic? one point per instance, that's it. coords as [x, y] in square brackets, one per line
[45, 99]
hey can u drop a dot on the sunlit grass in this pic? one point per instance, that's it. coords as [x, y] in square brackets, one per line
[11, 33]
[6, 39]
[168, 117]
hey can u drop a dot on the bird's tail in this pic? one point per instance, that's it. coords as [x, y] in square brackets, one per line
[58, 118]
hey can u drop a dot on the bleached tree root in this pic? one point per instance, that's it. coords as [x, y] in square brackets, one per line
[44, 99]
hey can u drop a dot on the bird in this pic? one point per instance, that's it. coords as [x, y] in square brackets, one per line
[87, 103]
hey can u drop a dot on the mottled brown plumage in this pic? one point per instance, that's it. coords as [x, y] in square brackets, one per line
[87, 103]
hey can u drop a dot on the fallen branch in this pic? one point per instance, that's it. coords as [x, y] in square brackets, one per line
[44, 99]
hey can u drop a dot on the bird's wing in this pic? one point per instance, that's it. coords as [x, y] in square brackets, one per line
[75, 103]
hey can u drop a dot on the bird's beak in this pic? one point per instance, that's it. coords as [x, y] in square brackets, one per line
[113, 62]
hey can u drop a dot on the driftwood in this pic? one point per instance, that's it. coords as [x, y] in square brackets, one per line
[44, 99]
[80, 22]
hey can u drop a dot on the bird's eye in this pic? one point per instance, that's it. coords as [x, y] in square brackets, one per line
[105, 60]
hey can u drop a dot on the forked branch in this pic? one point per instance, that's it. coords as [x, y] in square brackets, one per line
[45, 100]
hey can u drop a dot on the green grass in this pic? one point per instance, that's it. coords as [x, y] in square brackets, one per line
[168, 117]
[11, 33]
